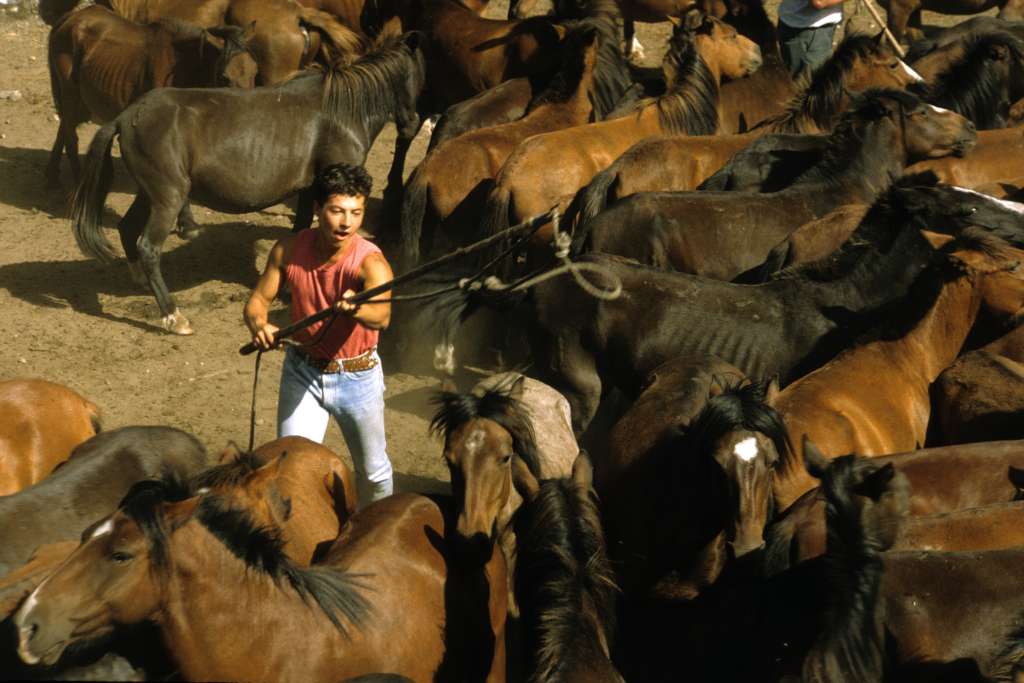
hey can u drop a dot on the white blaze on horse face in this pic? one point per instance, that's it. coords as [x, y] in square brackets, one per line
[910, 72]
[940, 110]
[746, 450]
[1016, 207]
[102, 529]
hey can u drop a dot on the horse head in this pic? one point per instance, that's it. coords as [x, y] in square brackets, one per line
[923, 130]
[731, 450]
[236, 67]
[482, 436]
[728, 53]
[110, 578]
[996, 268]
[869, 62]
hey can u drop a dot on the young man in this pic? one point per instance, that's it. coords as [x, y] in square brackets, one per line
[334, 371]
[806, 28]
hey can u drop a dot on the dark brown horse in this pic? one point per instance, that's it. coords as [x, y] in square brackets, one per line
[101, 63]
[682, 163]
[723, 234]
[40, 425]
[548, 169]
[210, 571]
[903, 17]
[448, 188]
[679, 512]
[89, 485]
[564, 582]
[307, 123]
[873, 398]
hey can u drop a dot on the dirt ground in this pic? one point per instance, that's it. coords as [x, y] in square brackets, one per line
[78, 322]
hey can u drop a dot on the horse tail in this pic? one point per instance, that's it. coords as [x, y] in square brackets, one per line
[94, 416]
[87, 204]
[414, 208]
[588, 202]
[495, 214]
[347, 42]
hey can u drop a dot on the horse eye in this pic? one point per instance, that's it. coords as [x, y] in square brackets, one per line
[972, 210]
[506, 459]
[121, 558]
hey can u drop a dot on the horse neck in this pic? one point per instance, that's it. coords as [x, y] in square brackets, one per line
[696, 94]
[203, 600]
[935, 341]
[1010, 345]
[577, 109]
[859, 168]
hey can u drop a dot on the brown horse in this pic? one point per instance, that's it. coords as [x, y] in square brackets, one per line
[483, 432]
[285, 38]
[40, 424]
[293, 484]
[724, 234]
[997, 156]
[449, 186]
[211, 571]
[677, 513]
[683, 163]
[564, 581]
[548, 169]
[981, 396]
[101, 63]
[873, 398]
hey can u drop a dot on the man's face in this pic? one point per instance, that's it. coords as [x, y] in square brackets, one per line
[340, 217]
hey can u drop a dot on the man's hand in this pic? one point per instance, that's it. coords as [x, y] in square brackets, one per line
[265, 336]
[345, 306]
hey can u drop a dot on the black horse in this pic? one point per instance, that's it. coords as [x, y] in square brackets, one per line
[721, 235]
[239, 151]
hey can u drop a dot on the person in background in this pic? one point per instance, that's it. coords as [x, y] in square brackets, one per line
[806, 28]
[334, 369]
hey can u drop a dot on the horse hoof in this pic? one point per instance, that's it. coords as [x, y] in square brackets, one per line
[176, 323]
[138, 277]
[188, 233]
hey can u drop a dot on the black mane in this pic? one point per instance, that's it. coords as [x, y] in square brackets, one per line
[972, 88]
[455, 410]
[611, 72]
[737, 407]
[821, 94]
[690, 107]
[566, 80]
[260, 548]
[229, 473]
[561, 566]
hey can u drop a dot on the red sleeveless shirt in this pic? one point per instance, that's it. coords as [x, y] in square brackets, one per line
[315, 285]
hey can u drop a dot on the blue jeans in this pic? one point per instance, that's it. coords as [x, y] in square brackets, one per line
[805, 49]
[306, 401]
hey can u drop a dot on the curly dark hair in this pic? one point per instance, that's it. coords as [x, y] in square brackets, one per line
[344, 179]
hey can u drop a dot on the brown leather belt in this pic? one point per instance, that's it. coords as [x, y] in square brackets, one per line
[329, 366]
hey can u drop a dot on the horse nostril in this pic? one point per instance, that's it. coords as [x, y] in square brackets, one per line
[28, 631]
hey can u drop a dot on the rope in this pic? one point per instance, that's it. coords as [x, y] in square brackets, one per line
[252, 412]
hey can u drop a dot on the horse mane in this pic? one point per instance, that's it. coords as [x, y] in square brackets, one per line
[850, 646]
[259, 547]
[821, 93]
[178, 28]
[229, 473]
[611, 70]
[969, 87]
[738, 406]
[362, 89]
[455, 410]
[561, 563]
[980, 239]
[691, 105]
[562, 87]
[1010, 660]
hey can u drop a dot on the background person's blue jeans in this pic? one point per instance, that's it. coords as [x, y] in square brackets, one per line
[805, 49]
[306, 401]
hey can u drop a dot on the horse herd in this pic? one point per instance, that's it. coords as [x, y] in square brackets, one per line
[799, 417]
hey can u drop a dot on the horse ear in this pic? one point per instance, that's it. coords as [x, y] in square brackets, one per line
[583, 471]
[772, 391]
[880, 38]
[814, 460]
[229, 454]
[518, 387]
[876, 483]
[412, 40]
[693, 19]
[675, 21]
[524, 481]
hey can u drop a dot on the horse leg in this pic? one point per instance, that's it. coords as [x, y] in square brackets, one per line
[303, 210]
[53, 165]
[129, 228]
[157, 228]
[393, 191]
[187, 226]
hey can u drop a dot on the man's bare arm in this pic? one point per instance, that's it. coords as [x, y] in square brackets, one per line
[375, 271]
[258, 306]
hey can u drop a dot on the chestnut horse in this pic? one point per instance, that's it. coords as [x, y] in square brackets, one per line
[101, 63]
[282, 135]
[40, 424]
[997, 156]
[981, 396]
[209, 570]
[547, 169]
[564, 581]
[678, 512]
[448, 188]
[683, 163]
[873, 398]
[482, 432]
[723, 234]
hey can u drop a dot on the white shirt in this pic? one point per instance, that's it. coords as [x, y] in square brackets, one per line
[800, 14]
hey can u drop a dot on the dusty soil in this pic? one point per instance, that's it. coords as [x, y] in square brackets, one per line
[78, 322]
